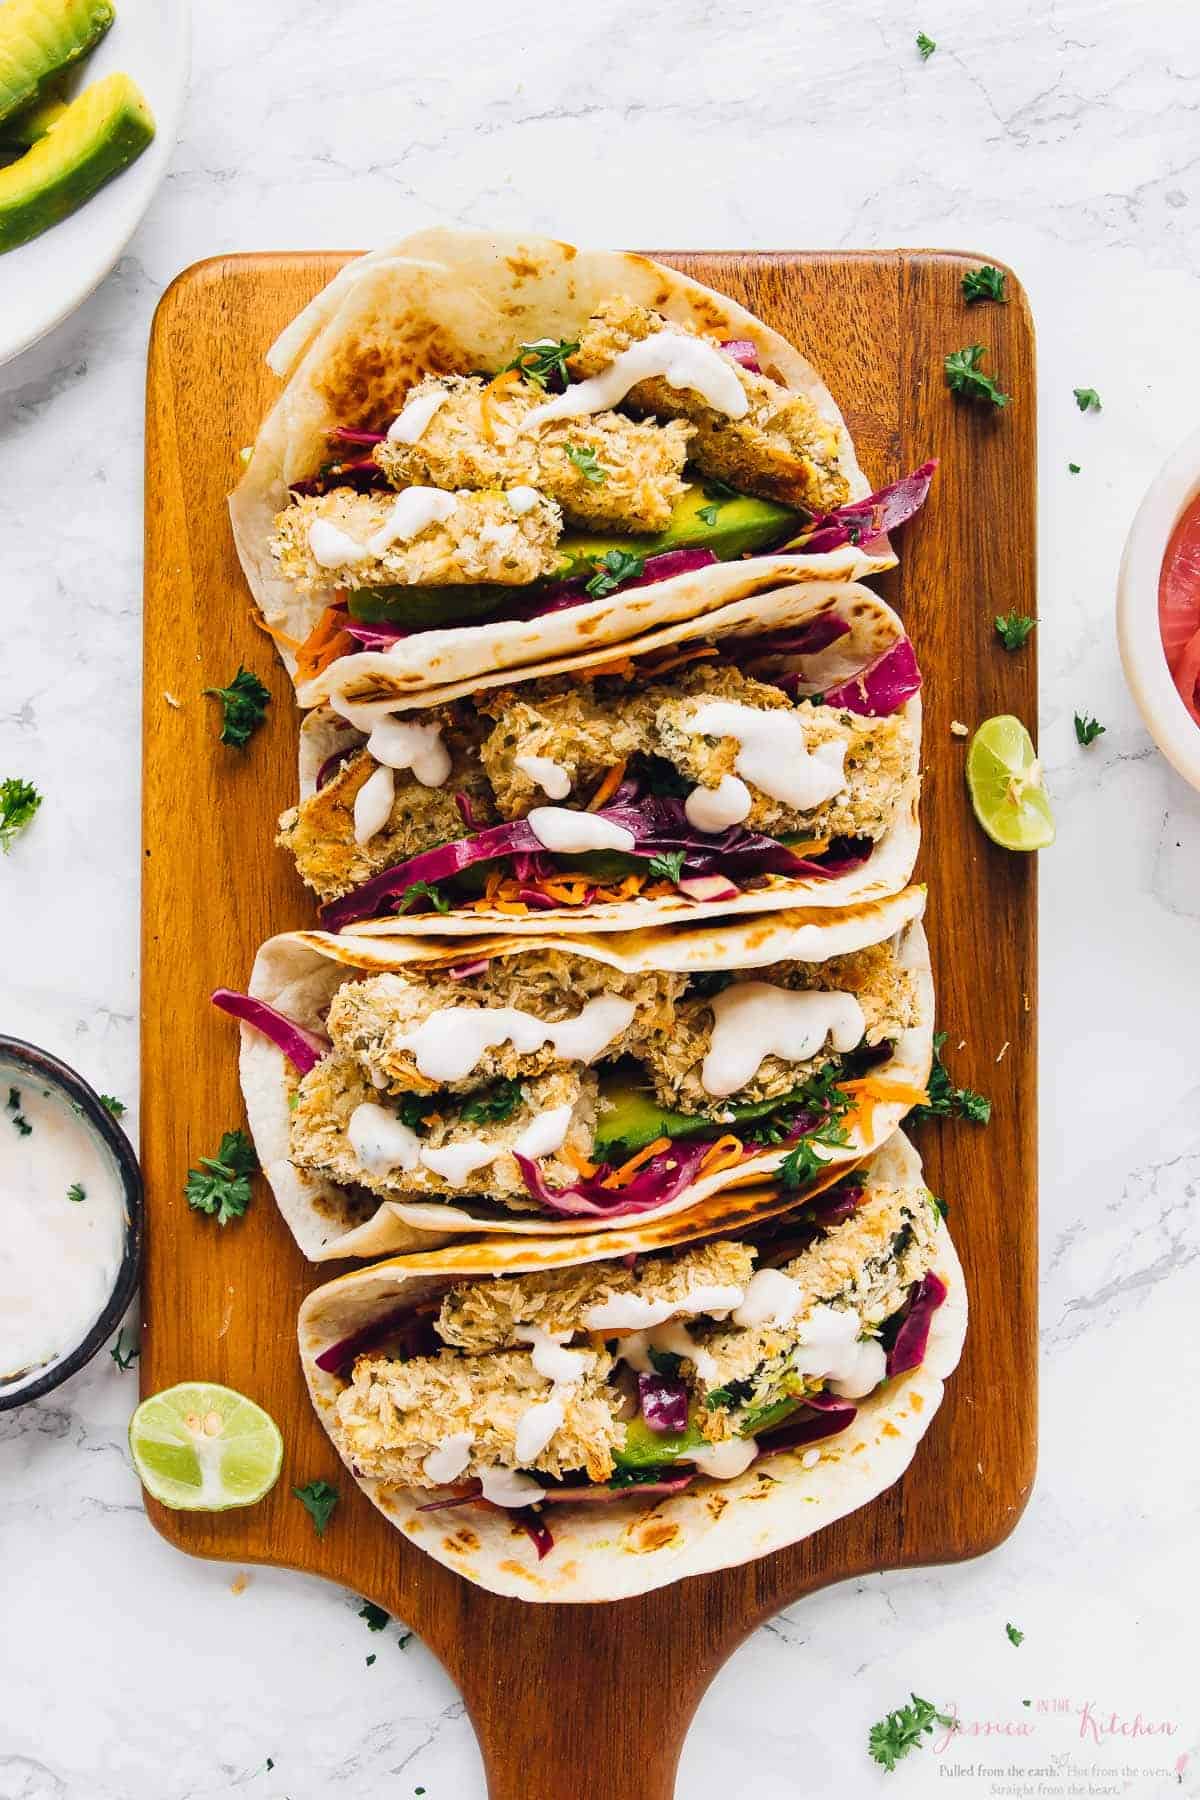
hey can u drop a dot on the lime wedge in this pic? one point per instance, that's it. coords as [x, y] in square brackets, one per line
[202, 1448]
[1007, 790]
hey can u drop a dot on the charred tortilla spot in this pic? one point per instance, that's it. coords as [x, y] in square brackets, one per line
[522, 268]
[508, 1567]
[648, 1535]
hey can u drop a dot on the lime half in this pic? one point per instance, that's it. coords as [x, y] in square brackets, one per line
[202, 1448]
[1007, 790]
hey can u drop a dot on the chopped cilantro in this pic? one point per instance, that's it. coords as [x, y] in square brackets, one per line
[76, 1192]
[585, 460]
[539, 362]
[892, 1738]
[14, 1099]
[1013, 629]
[946, 1101]
[370, 1659]
[413, 1109]
[925, 45]
[964, 376]
[18, 1118]
[125, 1358]
[499, 1103]
[405, 1639]
[669, 865]
[802, 1163]
[375, 1616]
[709, 513]
[19, 800]
[984, 283]
[1074, 468]
[422, 890]
[112, 1105]
[1016, 1638]
[221, 1186]
[614, 567]
[665, 1362]
[22, 1124]
[244, 707]
[318, 1498]
[734, 1393]
[1086, 399]
[1088, 730]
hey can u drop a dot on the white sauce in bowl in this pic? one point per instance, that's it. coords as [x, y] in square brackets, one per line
[59, 1256]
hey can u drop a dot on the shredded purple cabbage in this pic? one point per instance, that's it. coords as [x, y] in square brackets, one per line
[883, 686]
[342, 434]
[910, 1342]
[836, 1206]
[362, 474]
[743, 352]
[303, 1048]
[574, 593]
[792, 640]
[659, 1181]
[664, 1402]
[861, 520]
[414, 1333]
[333, 763]
[831, 1415]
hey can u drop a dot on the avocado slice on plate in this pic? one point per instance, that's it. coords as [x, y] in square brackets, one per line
[24, 129]
[98, 135]
[38, 38]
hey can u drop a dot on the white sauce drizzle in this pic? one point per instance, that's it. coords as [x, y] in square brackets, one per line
[547, 1133]
[549, 775]
[773, 752]
[811, 1458]
[866, 1373]
[448, 1045]
[451, 1457]
[412, 512]
[380, 1141]
[632, 1312]
[568, 832]
[408, 427]
[455, 1163]
[416, 747]
[828, 1344]
[549, 1358]
[754, 1020]
[681, 360]
[725, 1460]
[373, 804]
[522, 499]
[772, 1298]
[673, 1338]
[715, 809]
[509, 1487]
[536, 1426]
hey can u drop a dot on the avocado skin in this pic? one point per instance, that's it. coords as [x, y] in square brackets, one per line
[36, 46]
[98, 136]
[742, 524]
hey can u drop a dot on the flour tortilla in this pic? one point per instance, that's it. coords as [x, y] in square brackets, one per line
[615, 1549]
[298, 973]
[368, 683]
[459, 301]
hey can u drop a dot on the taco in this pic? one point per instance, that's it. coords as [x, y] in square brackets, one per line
[478, 432]
[397, 1088]
[588, 1420]
[764, 756]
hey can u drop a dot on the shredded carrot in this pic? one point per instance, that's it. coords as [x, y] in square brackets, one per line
[327, 640]
[722, 1154]
[513, 907]
[505, 379]
[273, 631]
[814, 847]
[620, 665]
[568, 891]
[677, 662]
[578, 1161]
[876, 1088]
[622, 890]
[621, 1177]
[608, 786]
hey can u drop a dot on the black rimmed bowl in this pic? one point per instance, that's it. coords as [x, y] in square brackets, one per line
[39, 1066]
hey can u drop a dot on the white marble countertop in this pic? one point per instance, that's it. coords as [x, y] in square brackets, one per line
[1060, 137]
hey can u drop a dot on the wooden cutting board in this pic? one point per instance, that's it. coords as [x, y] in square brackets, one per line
[577, 1703]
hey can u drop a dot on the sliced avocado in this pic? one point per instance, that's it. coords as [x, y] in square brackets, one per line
[24, 129]
[427, 608]
[39, 38]
[644, 1448]
[100, 134]
[629, 1118]
[702, 520]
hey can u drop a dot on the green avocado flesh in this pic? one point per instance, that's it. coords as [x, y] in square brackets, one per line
[98, 135]
[733, 527]
[25, 128]
[38, 38]
[644, 1448]
[629, 1118]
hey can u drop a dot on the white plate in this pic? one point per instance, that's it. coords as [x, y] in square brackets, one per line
[44, 281]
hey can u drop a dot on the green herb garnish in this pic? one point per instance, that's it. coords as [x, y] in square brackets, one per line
[709, 513]
[370, 1659]
[244, 707]
[1016, 1638]
[1086, 399]
[19, 800]
[614, 567]
[413, 1109]
[76, 1192]
[112, 1105]
[221, 1186]
[498, 1104]
[892, 1738]
[669, 865]
[536, 363]
[964, 376]
[585, 460]
[1013, 629]
[946, 1100]
[318, 1498]
[925, 45]
[1074, 468]
[422, 890]
[984, 283]
[374, 1615]
[802, 1164]
[124, 1358]
[405, 1639]
[1088, 730]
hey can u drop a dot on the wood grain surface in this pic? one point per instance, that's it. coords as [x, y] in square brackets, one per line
[577, 1703]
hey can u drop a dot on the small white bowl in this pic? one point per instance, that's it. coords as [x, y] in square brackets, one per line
[1167, 719]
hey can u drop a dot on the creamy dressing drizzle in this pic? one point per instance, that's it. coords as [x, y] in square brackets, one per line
[716, 809]
[681, 360]
[632, 1312]
[417, 747]
[725, 1460]
[773, 752]
[754, 1020]
[59, 1258]
[509, 1487]
[568, 832]
[408, 427]
[563, 1367]
[449, 1044]
[380, 1140]
[550, 776]
[451, 1457]
[536, 1426]
[828, 1346]
[373, 804]
[412, 512]
[772, 1298]
[522, 499]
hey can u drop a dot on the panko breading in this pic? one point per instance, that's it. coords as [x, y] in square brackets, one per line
[320, 831]
[482, 540]
[868, 1264]
[483, 1315]
[583, 734]
[886, 992]
[326, 1099]
[394, 1414]
[369, 1019]
[781, 448]
[473, 442]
